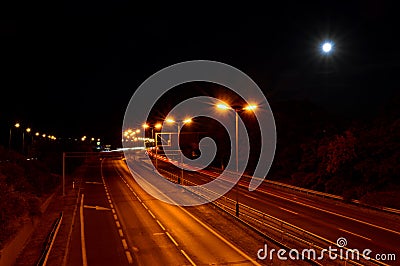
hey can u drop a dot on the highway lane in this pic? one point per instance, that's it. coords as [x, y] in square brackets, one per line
[164, 234]
[330, 219]
[95, 239]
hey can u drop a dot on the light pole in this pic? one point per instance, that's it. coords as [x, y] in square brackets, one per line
[237, 109]
[179, 123]
[17, 125]
[156, 126]
[23, 139]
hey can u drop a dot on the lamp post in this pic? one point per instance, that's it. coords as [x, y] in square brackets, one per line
[179, 123]
[156, 126]
[23, 139]
[17, 125]
[237, 109]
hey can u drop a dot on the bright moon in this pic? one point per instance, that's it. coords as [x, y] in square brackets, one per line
[327, 47]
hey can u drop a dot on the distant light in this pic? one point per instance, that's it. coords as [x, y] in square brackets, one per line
[187, 121]
[327, 47]
[170, 120]
[158, 126]
[222, 106]
[145, 125]
[28, 130]
[17, 125]
[250, 107]
[137, 130]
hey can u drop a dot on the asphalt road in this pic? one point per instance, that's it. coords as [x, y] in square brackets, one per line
[118, 223]
[330, 219]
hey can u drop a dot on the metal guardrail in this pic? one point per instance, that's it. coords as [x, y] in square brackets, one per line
[48, 244]
[321, 194]
[280, 232]
[316, 193]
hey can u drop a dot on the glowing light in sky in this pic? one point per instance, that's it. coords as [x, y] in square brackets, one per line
[327, 47]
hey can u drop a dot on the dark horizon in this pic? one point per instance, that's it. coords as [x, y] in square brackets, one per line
[73, 70]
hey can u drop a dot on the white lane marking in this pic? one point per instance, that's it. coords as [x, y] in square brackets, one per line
[94, 183]
[129, 257]
[208, 228]
[158, 234]
[369, 239]
[250, 196]
[337, 214]
[330, 212]
[83, 244]
[120, 232]
[160, 224]
[188, 258]
[97, 208]
[288, 210]
[144, 205]
[172, 239]
[124, 243]
[152, 215]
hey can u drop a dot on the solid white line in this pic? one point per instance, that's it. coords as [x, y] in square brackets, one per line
[84, 258]
[188, 258]
[209, 229]
[172, 239]
[337, 214]
[129, 257]
[288, 210]
[355, 234]
[250, 196]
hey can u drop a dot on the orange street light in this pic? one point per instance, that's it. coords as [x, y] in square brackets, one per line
[237, 109]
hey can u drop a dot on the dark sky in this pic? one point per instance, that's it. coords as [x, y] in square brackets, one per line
[71, 67]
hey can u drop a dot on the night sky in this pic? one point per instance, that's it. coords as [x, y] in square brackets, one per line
[71, 67]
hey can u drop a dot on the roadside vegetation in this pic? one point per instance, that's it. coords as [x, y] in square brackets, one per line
[24, 184]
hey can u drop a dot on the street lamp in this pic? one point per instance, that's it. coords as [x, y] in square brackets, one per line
[156, 126]
[17, 125]
[23, 139]
[180, 124]
[237, 109]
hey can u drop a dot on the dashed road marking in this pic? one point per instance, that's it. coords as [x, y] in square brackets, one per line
[188, 258]
[172, 239]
